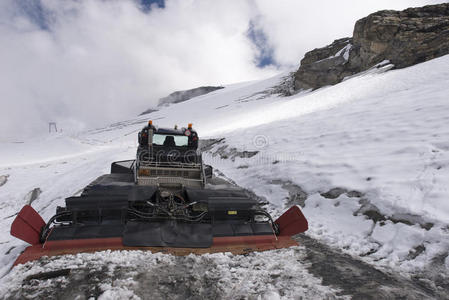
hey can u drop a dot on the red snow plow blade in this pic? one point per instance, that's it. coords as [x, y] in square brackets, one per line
[29, 226]
[292, 222]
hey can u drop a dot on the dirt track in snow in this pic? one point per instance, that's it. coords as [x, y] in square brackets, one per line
[311, 271]
[358, 279]
[361, 280]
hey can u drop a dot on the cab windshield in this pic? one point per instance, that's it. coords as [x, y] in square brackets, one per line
[170, 140]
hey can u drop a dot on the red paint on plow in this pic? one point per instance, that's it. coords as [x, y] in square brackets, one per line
[233, 244]
[27, 225]
[292, 222]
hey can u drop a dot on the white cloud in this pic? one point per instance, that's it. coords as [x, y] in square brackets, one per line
[102, 61]
[107, 60]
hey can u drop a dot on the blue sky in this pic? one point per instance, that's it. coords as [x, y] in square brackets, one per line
[35, 12]
[147, 3]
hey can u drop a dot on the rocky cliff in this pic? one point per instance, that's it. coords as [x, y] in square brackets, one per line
[404, 38]
[181, 96]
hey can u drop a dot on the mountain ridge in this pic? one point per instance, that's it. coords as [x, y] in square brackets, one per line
[181, 96]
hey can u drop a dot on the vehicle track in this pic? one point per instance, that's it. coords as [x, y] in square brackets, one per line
[359, 279]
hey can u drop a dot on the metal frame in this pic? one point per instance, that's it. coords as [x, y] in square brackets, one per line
[174, 173]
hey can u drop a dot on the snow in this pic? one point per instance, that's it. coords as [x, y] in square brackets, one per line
[384, 135]
[381, 134]
[144, 275]
[38, 150]
[344, 51]
[70, 166]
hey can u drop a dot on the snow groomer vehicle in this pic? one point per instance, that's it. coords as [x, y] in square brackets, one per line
[164, 200]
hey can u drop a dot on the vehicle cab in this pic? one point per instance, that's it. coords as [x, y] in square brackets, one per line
[169, 157]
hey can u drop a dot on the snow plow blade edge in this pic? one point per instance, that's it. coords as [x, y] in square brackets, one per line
[27, 225]
[292, 222]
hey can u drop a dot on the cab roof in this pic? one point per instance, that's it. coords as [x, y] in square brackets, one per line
[172, 131]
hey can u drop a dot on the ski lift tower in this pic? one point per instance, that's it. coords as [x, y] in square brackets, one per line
[52, 125]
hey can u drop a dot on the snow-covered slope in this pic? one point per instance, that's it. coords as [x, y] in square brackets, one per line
[368, 159]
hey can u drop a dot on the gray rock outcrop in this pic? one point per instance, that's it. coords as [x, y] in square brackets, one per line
[148, 111]
[181, 96]
[404, 38]
[325, 66]
[3, 179]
